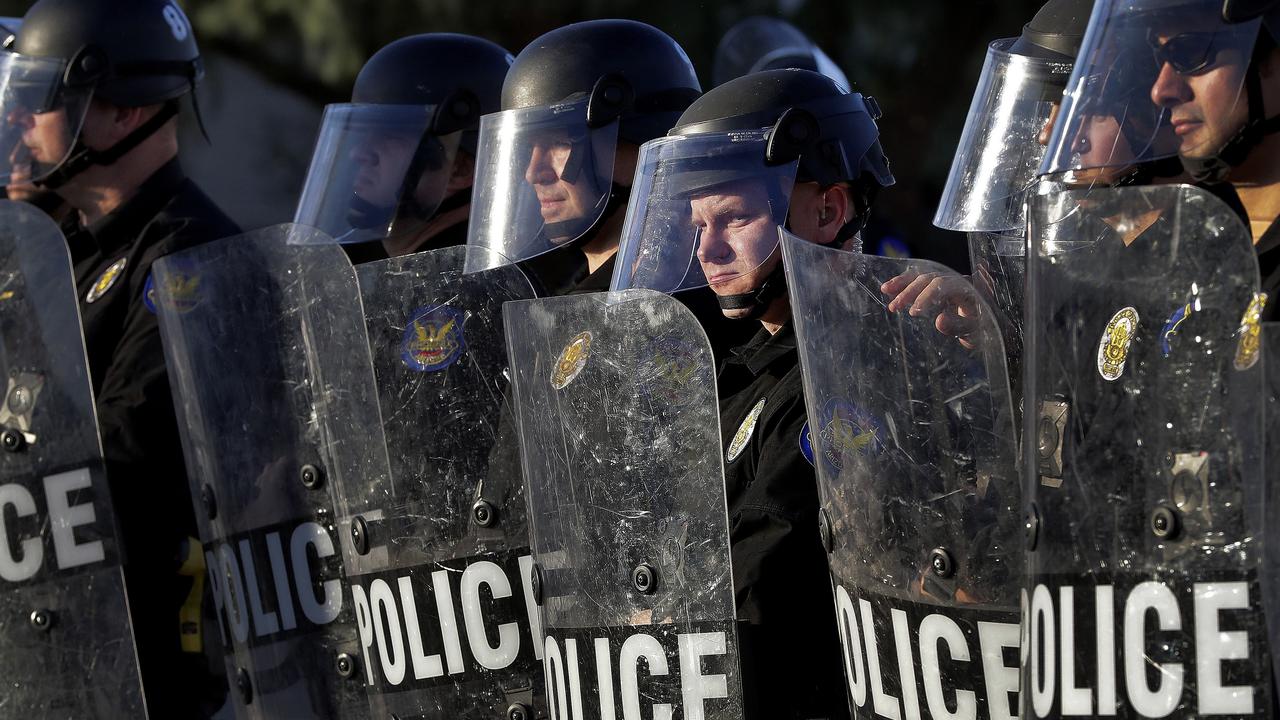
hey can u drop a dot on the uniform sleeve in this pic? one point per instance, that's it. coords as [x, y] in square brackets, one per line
[781, 580]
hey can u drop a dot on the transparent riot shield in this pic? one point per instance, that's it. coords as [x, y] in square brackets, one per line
[66, 641]
[1143, 468]
[912, 434]
[441, 577]
[273, 384]
[619, 432]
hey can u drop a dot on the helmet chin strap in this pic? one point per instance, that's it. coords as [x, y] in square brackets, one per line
[83, 157]
[1215, 169]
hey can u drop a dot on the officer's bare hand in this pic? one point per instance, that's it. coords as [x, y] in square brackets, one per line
[951, 297]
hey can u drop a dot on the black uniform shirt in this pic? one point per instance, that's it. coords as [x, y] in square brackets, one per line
[780, 575]
[135, 407]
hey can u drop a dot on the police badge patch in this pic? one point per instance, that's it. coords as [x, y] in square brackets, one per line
[748, 426]
[1250, 333]
[106, 280]
[1113, 348]
[847, 429]
[433, 339]
[571, 361]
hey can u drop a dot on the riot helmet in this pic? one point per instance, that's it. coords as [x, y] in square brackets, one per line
[67, 53]
[766, 43]
[545, 163]
[383, 162]
[713, 193]
[1003, 142]
[1159, 80]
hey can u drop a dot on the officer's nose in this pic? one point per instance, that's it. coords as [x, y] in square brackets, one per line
[713, 245]
[539, 171]
[1170, 88]
[363, 154]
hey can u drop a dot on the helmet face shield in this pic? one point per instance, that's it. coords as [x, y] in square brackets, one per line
[543, 179]
[1002, 145]
[41, 117]
[1155, 79]
[705, 210]
[378, 172]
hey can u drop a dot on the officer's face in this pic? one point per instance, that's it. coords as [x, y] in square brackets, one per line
[1101, 148]
[381, 161]
[559, 199]
[1206, 106]
[737, 236]
[47, 136]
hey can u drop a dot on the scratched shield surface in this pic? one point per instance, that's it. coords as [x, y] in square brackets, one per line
[65, 635]
[619, 432]
[273, 385]
[1143, 471]
[912, 433]
[441, 573]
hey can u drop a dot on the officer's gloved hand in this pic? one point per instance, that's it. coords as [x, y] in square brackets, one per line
[950, 296]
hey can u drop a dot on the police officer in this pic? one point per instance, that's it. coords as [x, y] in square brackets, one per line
[717, 189]
[92, 90]
[766, 43]
[395, 165]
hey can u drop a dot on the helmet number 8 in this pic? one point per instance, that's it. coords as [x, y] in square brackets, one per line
[177, 22]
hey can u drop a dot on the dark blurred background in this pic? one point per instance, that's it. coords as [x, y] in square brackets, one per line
[273, 64]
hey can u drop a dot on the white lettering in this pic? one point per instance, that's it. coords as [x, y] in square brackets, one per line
[64, 518]
[1161, 701]
[32, 552]
[493, 658]
[634, 648]
[934, 630]
[1213, 645]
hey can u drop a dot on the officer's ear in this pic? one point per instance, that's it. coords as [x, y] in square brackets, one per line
[835, 208]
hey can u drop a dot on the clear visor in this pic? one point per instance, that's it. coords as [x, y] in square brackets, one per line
[378, 173]
[705, 210]
[543, 179]
[1154, 79]
[41, 117]
[1003, 142]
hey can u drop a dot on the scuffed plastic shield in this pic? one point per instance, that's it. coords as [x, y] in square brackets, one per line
[273, 385]
[442, 581]
[66, 641]
[912, 435]
[1143, 466]
[615, 397]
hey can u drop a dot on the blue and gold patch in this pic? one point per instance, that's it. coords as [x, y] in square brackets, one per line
[1170, 329]
[181, 294]
[806, 443]
[848, 429]
[433, 339]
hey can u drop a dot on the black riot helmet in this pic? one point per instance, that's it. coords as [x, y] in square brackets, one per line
[1002, 145]
[129, 53]
[767, 43]
[383, 162]
[1132, 49]
[544, 175]
[749, 139]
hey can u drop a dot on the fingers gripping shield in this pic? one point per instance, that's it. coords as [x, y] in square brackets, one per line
[278, 406]
[442, 581]
[544, 178]
[1143, 461]
[705, 210]
[615, 398]
[67, 639]
[379, 172]
[912, 434]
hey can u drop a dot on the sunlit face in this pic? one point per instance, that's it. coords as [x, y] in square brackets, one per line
[737, 236]
[47, 136]
[559, 199]
[1101, 149]
[382, 159]
[1206, 107]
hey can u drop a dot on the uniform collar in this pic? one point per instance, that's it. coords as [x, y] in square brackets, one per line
[765, 349]
[121, 226]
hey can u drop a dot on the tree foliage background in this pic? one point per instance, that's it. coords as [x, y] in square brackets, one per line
[919, 58]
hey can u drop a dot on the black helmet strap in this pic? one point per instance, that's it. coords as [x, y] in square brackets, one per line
[82, 157]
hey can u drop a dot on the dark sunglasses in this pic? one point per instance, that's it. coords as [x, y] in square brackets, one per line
[1191, 52]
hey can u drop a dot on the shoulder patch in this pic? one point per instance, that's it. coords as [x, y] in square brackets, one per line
[806, 443]
[848, 430]
[748, 426]
[106, 280]
[149, 294]
[433, 339]
[1250, 333]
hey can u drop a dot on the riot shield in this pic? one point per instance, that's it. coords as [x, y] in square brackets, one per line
[912, 434]
[1142, 470]
[66, 641]
[441, 578]
[619, 433]
[272, 381]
